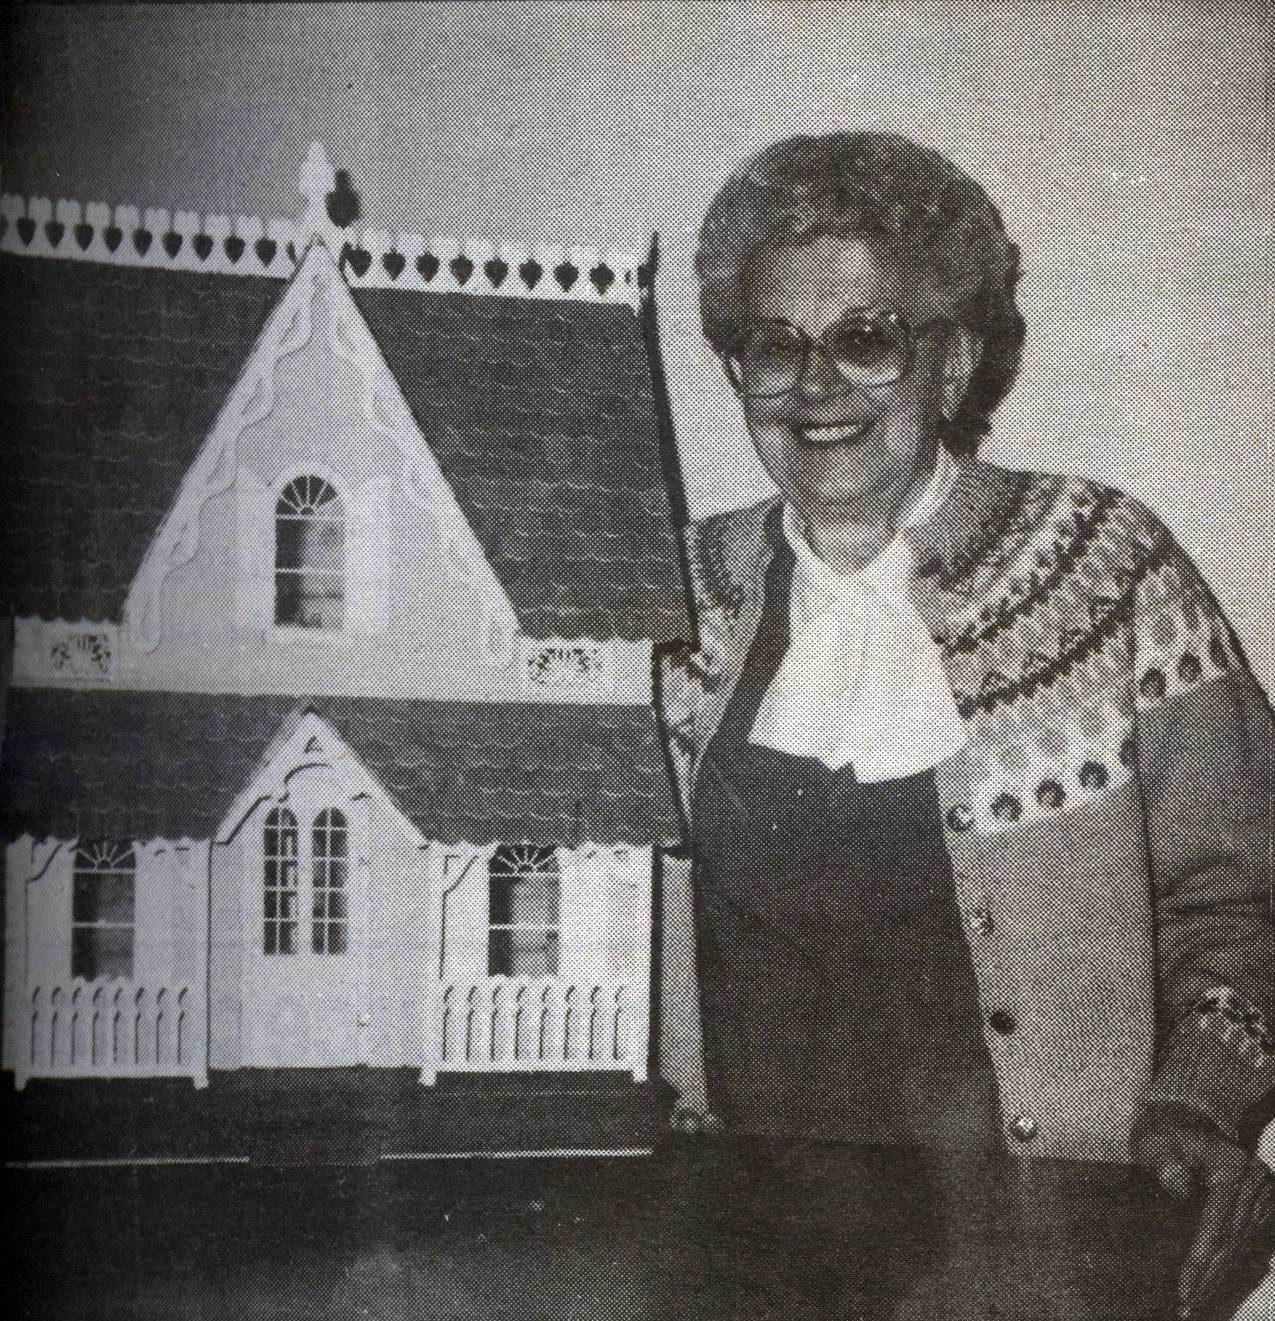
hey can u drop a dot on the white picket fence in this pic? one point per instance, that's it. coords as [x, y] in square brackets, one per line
[108, 1028]
[530, 1024]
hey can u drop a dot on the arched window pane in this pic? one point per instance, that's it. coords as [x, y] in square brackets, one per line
[103, 886]
[310, 555]
[524, 895]
[280, 840]
[330, 916]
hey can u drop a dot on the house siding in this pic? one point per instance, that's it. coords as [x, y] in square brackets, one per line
[226, 954]
[398, 943]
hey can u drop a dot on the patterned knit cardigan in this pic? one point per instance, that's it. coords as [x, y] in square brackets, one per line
[1110, 821]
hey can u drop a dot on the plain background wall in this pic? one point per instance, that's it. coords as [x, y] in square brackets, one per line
[1128, 145]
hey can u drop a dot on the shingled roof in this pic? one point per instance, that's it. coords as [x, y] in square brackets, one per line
[147, 765]
[541, 414]
[109, 381]
[543, 419]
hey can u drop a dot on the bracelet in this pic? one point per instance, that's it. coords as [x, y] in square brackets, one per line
[1221, 1011]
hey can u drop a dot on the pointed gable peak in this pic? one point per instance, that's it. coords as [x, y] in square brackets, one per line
[306, 738]
[331, 204]
[317, 180]
[317, 313]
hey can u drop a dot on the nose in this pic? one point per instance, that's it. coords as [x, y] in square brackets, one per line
[820, 378]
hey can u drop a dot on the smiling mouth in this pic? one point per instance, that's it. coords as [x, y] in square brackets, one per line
[824, 434]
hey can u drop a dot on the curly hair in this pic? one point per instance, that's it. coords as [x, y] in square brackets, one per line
[935, 219]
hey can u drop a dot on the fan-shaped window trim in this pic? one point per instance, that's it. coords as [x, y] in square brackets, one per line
[310, 554]
[103, 909]
[524, 887]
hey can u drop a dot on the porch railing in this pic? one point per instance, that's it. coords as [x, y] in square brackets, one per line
[529, 1024]
[108, 1028]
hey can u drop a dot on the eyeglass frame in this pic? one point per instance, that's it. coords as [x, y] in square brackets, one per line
[808, 342]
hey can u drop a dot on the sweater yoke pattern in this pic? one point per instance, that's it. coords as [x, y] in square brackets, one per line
[1062, 609]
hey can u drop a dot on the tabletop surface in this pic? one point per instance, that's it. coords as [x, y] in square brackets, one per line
[698, 1231]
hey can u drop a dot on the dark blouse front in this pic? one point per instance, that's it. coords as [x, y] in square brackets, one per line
[838, 996]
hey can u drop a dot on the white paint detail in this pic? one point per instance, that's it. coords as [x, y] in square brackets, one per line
[578, 669]
[216, 469]
[83, 653]
[255, 549]
[150, 1025]
[302, 1008]
[493, 669]
[535, 1025]
[388, 414]
[114, 1028]
[580, 1019]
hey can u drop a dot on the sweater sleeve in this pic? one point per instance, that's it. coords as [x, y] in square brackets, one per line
[1205, 759]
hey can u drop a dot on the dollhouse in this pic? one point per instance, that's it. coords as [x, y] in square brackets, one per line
[335, 562]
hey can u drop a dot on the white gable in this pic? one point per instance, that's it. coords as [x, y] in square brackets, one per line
[317, 315]
[301, 743]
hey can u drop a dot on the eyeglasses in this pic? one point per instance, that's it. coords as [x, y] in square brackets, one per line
[868, 346]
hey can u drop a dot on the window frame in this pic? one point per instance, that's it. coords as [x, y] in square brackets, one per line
[511, 864]
[277, 923]
[281, 492]
[312, 863]
[101, 858]
[328, 825]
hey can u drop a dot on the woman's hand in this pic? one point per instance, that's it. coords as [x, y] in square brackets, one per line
[1190, 1156]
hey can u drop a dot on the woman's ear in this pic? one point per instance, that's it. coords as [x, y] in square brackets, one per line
[961, 355]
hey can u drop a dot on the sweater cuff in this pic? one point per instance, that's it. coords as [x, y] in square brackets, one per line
[1219, 1060]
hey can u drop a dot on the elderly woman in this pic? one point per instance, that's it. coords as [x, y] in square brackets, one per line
[979, 783]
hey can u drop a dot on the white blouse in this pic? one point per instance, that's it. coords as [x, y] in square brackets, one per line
[862, 683]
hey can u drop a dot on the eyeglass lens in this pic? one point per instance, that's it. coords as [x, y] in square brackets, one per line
[866, 350]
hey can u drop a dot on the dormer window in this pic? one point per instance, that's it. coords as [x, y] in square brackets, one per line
[309, 578]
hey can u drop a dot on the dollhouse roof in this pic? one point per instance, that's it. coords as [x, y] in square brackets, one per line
[527, 374]
[110, 380]
[146, 765]
[540, 411]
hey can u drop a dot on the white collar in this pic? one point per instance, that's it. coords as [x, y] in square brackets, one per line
[894, 559]
[862, 682]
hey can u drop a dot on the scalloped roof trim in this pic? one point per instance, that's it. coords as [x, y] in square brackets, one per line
[155, 237]
[29, 840]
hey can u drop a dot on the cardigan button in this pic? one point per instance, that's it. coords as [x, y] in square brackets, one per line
[1024, 1127]
[1007, 808]
[1002, 1021]
[960, 818]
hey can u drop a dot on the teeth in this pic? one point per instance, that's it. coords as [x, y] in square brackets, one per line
[832, 433]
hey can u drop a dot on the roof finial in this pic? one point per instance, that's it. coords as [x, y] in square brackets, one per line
[316, 182]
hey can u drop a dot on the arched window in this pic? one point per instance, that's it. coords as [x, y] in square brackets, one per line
[331, 849]
[279, 935]
[523, 927]
[102, 899]
[309, 579]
